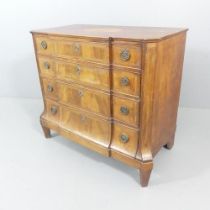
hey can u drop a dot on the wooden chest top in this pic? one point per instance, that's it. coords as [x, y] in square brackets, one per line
[115, 32]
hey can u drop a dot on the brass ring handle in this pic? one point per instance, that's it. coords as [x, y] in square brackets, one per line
[125, 55]
[77, 48]
[53, 110]
[124, 138]
[46, 65]
[44, 45]
[50, 88]
[124, 110]
[124, 81]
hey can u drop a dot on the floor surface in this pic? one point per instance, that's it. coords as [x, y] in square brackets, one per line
[57, 174]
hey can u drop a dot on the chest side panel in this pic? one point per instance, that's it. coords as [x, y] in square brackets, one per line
[161, 80]
[146, 106]
[167, 90]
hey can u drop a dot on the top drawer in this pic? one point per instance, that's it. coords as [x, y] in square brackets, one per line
[45, 45]
[126, 54]
[92, 51]
[73, 48]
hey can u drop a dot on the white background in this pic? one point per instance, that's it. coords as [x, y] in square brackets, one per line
[56, 174]
[18, 73]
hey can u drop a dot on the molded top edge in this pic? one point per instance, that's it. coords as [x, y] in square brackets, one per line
[105, 32]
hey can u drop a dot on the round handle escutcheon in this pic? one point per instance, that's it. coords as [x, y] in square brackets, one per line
[82, 118]
[124, 110]
[124, 138]
[81, 93]
[44, 45]
[50, 88]
[125, 55]
[76, 48]
[46, 65]
[124, 81]
[53, 110]
[77, 69]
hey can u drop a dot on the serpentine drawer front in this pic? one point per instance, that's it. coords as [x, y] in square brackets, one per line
[112, 89]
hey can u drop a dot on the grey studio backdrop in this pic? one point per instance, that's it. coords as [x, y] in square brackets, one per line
[18, 72]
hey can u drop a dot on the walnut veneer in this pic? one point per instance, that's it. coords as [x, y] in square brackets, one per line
[112, 89]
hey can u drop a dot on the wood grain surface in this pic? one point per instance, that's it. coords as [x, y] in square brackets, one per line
[114, 90]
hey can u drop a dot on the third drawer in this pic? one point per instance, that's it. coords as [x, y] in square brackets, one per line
[125, 110]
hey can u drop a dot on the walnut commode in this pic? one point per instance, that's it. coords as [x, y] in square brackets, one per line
[112, 89]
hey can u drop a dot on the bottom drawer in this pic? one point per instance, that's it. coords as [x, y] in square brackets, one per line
[85, 125]
[52, 110]
[89, 126]
[125, 139]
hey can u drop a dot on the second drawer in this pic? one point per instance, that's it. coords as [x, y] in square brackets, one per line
[87, 74]
[126, 82]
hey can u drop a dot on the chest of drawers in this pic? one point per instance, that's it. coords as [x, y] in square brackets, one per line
[114, 90]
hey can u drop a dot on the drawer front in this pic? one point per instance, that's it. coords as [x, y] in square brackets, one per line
[52, 110]
[85, 125]
[127, 55]
[92, 51]
[126, 110]
[45, 45]
[46, 66]
[90, 100]
[126, 82]
[125, 139]
[88, 75]
[50, 88]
